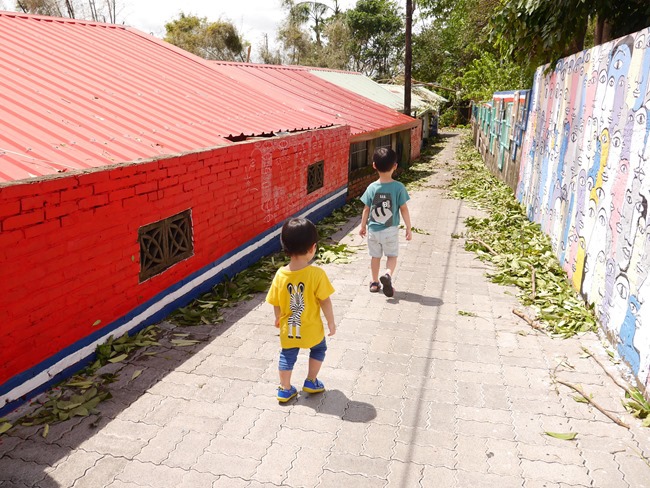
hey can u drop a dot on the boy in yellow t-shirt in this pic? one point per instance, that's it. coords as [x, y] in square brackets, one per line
[298, 293]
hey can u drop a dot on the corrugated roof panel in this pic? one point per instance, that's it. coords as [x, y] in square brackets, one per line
[301, 87]
[416, 102]
[76, 94]
[363, 86]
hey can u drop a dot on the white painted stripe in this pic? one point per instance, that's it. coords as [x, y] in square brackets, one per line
[75, 357]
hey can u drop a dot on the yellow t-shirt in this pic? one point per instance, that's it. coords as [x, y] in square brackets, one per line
[298, 294]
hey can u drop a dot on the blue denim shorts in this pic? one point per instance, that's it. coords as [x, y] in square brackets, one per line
[288, 357]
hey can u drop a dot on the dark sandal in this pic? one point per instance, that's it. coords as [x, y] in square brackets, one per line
[374, 286]
[387, 285]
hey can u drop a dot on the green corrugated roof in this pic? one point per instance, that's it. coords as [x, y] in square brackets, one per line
[362, 85]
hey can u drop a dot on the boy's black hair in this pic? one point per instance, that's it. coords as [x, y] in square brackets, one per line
[384, 159]
[297, 236]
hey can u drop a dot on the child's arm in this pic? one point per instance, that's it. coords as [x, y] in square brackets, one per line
[326, 305]
[276, 311]
[364, 221]
[404, 210]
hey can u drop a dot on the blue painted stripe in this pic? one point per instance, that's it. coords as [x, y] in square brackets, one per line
[316, 212]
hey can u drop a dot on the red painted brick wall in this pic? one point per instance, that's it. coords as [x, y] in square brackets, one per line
[416, 141]
[69, 246]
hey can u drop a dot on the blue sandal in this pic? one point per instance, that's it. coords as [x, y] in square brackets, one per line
[374, 286]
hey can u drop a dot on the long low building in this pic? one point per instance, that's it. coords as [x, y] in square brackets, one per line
[134, 176]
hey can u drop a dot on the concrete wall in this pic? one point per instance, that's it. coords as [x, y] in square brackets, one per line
[70, 249]
[585, 178]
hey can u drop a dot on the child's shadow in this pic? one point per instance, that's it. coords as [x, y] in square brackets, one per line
[407, 296]
[334, 402]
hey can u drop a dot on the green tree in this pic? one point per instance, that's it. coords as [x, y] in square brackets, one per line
[377, 32]
[210, 40]
[542, 31]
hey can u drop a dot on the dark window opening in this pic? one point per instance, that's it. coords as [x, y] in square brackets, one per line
[358, 155]
[383, 141]
[315, 176]
[165, 243]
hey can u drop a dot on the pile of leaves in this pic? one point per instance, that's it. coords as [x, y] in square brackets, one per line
[78, 396]
[521, 253]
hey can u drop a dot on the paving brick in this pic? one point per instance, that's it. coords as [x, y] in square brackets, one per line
[222, 465]
[425, 455]
[484, 415]
[380, 441]
[299, 438]
[239, 424]
[331, 479]
[350, 439]
[153, 475]
[405, 474]
[486, 429]
[73, 467]
[276, 464]
[161, 445]
[361, 465]
[556, 473]
[104, 471]
[267, 426]
[637, 471]
[186, 453]
[439, 476]
[569, 453]
[486, 480]
[307, 468]
[603, 468]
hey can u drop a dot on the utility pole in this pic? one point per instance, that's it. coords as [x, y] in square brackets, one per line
[408, 55]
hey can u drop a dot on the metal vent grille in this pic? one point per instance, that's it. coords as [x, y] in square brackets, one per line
[165, 243]
[315, 176]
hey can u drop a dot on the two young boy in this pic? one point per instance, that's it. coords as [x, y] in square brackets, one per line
[299, 290]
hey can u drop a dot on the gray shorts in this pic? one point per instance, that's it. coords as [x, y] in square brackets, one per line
[384, 242]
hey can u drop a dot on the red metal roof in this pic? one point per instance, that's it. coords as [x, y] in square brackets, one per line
[77, 94]
[300, 88]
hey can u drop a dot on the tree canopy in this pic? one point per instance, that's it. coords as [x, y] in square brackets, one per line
[210, 40]
[106, 11]
[541, 31]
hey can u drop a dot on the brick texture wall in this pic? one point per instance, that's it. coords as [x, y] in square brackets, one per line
[416, 141]
[69, 245]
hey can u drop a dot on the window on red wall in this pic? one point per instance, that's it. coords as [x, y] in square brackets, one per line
[165, 243]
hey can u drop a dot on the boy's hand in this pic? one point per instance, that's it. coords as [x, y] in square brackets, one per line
[277, 322]
[332, 328]
[409, 234]
[362, 231]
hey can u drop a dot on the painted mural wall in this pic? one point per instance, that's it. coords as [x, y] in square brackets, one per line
[585, 178]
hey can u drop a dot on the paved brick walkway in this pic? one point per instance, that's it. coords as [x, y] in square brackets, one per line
[418, 395]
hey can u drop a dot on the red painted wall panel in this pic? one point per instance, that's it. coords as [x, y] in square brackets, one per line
[69, 245]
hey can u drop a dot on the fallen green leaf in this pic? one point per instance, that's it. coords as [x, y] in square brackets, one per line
[118, 359]
[96, 323]
[136, 374]
[46, 430]
[4, 427]
[569, 436]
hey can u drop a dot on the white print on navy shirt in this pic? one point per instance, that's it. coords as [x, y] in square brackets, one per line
[382, 209]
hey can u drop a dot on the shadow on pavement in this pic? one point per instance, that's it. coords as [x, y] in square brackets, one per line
[336, 403]
[408, 296]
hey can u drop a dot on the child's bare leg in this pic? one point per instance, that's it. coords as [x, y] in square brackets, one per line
[391, 264]
[314, 368]
[285, 378]
[375, 263]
